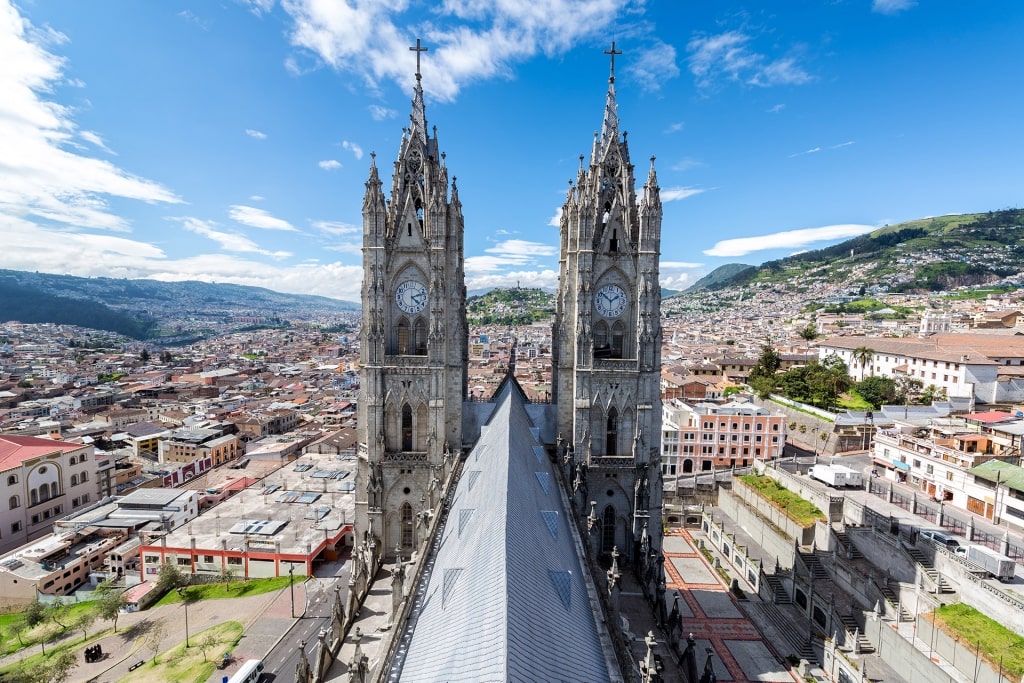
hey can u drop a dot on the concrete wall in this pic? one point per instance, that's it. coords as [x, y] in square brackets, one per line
[828, 501]
[804, 535]
[958, 653]
[907, 661]
[886, 553]
[774, 542]
[748, 569]
[993, 602]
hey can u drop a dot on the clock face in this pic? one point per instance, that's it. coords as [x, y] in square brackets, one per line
[610, 301]
[411, 296]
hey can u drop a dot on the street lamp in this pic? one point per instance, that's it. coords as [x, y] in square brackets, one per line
[291, 586]
[184, 603]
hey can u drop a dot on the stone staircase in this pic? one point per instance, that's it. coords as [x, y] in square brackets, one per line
[864, 645]
[779, 594]
[848, 547]
[784, 624]
[813, 563]
[891, 597]
[928, 569]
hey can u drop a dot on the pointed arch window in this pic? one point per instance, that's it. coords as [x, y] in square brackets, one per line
[407, 525]
[613, 243]
[406, 427]
[612, 432]
[419, 338]
[601, 348]
[608, 530]
[402, 336]
[618, 340]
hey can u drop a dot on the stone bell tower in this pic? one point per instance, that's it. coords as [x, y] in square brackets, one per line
[607, 344]
[413, 341]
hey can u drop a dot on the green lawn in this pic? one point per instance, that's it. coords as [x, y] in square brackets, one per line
[236, 589]
[996, 641]
[194, 664]
[801, 511]
[9, 643]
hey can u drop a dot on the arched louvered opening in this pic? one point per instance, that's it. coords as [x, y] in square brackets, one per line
[406, 427]
[601, 346]
[402, 334]
[419, 338]
[618, 340]
[608, 530]
[611, 443]
[407, 525]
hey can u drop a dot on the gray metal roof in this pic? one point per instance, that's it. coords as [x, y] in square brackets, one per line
[506, 598]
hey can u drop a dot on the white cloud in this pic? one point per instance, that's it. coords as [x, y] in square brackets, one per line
[556, 220]
[468, 40]
[672, 194]
[675, 127]
[787, 239]
[654, 67]
[776, 109]
[39, 175]
[258, 218]
[256, 198]
[96, 141]
[356, 150]
[686, 164]
[329, 164]
[729, 55]
[259, 7]
[336, 227]
[26, 245]
[228, 241]
[509, 253]
[815, 150]
[379, 113]
[891, 6]
[253, 133]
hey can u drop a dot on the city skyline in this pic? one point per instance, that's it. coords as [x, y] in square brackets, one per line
[232, 143]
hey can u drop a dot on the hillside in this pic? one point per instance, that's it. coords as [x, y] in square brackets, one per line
[517, 306]
[926, 255]
[150, 309]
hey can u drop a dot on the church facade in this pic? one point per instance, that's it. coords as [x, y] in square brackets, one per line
[500, 502]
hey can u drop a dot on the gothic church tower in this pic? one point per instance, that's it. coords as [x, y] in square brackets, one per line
[413, 342]
[607, 343]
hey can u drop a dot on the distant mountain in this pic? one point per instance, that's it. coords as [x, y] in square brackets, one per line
[722, 276]
[149, 309]
[929, 254]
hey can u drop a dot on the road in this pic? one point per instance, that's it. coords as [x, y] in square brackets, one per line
[280, 662]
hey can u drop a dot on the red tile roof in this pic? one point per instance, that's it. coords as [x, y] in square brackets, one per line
[991, 416]
[15, 450]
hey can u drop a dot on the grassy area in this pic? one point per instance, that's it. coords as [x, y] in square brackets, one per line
[9, 643]
[997, 641]
[193, 664]
[801, 511]
[853, 401]
[235, 589]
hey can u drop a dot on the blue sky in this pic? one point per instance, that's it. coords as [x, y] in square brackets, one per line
[230, 141]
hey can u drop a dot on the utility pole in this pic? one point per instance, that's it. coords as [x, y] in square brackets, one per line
[291, 586]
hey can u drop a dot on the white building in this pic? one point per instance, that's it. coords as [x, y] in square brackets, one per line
[42, 480]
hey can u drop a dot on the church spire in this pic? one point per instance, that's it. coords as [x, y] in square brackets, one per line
[610, 126]
[419, 114]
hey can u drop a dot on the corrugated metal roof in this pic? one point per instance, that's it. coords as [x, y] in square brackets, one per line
[506, 598]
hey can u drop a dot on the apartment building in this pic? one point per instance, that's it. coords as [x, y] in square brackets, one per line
[42, 480]
[986, 368]
[707, 436]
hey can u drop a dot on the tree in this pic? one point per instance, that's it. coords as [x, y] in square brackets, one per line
[85, 619]
[16, 629]
[208, 641]
[109, 606]
[60, 666]
[226, 574]
[170, 578]
[908, 389]
[34, 614]
[155, 637]
[809, 334]
[58, 611]
[863, 355]
[877, 391]
[144, 356]
[768, 363]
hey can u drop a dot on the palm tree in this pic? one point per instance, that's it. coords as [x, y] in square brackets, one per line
[863, 355]
[808, 334]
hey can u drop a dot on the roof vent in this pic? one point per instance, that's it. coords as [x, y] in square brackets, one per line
[562, 582]
[544, 479]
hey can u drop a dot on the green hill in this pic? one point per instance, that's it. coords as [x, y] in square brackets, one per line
[516, 306]
[930, 254]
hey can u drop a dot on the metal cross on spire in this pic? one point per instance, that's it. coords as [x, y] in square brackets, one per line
[612, 52]
[420, 48]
